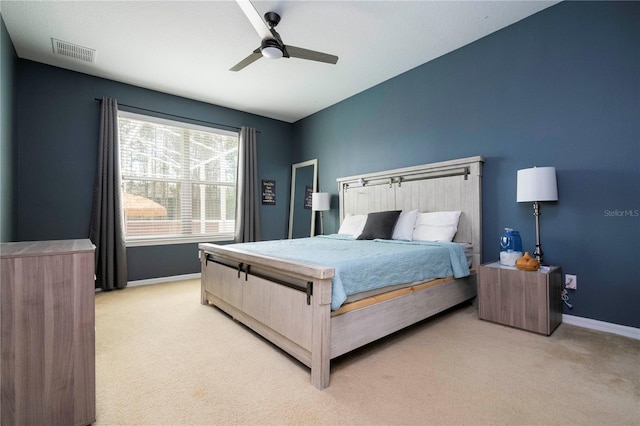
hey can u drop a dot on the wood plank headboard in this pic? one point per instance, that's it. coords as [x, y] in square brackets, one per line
[442, 186]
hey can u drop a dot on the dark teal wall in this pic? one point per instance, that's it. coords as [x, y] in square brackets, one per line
[8, 59]
[57, 122]
[560, 88]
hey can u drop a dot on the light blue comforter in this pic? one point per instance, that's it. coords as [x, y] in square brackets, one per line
[362, 265]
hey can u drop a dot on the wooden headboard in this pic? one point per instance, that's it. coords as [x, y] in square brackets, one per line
[442, 186]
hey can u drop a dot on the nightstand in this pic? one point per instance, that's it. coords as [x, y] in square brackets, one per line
[530, 300]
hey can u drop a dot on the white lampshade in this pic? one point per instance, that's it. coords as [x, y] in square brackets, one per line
[537, 184]
[320, 201]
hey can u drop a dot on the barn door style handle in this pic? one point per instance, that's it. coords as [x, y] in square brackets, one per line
[309, 292]
[240, 269]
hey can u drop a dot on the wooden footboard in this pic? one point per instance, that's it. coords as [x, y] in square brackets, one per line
[289, 304]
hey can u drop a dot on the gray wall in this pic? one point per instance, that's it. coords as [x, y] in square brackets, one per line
[57, 122]
[8, 61]
[560, 88]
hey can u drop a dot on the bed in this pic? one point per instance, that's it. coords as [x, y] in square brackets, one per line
[289, 301]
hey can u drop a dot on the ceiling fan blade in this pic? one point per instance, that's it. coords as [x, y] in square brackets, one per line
[248, 60]
[312, 55]
[254, 17]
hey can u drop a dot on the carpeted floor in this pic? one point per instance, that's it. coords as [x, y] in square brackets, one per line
[164, 359]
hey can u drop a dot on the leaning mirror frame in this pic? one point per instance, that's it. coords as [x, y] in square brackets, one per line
[292, 202]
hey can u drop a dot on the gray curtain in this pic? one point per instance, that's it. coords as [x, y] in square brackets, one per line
[248, 201]
[107, 221]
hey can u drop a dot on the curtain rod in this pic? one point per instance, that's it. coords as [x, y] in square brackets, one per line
[176, 116]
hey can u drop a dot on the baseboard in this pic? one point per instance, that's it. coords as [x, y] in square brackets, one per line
[164, 279]
[608, 327]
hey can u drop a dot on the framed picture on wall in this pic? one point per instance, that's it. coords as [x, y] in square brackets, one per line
[308, 190]
[269, 192]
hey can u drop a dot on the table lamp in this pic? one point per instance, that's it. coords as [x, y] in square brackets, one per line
[534, 185]
[320, 202]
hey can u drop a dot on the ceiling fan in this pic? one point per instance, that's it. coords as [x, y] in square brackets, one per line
[272, 46]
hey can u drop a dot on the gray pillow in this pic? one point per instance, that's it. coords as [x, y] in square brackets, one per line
[380, 225]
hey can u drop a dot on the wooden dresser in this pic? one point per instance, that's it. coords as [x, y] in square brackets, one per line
[47, 319]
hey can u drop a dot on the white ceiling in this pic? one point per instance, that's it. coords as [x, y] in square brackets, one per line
[186, 48]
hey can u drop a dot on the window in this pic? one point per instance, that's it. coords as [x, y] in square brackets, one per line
[178, 180]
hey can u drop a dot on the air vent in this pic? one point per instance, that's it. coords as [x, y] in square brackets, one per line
[74, 51]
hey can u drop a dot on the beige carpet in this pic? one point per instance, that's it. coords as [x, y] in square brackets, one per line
[164, 359]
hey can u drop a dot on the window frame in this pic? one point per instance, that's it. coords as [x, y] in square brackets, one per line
[173, 239]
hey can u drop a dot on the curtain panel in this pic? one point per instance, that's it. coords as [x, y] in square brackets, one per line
[248, 194]
[107, 221]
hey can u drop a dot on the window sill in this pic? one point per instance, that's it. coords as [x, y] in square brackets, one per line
[181, 240]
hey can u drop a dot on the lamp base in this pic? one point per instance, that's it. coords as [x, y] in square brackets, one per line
[537, 253]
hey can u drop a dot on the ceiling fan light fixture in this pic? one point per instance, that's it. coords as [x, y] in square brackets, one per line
[271, 49]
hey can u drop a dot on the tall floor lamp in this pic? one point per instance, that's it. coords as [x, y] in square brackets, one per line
[320, 202]
[537, 184]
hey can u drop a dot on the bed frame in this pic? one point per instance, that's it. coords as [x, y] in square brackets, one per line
[289, 302]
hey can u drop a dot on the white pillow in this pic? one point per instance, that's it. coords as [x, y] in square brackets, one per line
[353, 225]
[436, 226]
[404, 226]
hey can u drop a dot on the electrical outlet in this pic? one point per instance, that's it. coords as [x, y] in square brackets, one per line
[571, 281]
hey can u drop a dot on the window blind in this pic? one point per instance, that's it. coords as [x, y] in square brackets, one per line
[178, 180]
